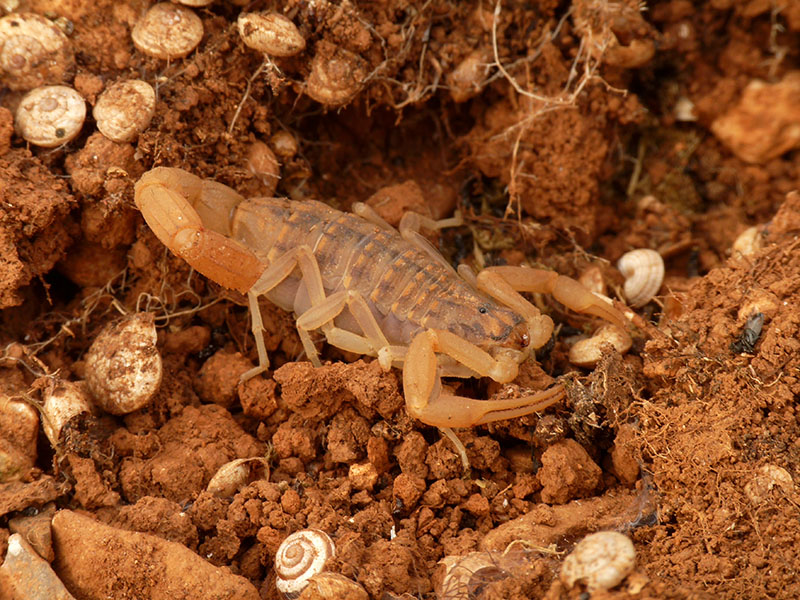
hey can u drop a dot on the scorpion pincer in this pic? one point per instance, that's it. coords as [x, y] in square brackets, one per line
[369, 288]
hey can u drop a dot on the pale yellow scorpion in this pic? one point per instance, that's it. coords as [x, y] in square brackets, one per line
[369, 288]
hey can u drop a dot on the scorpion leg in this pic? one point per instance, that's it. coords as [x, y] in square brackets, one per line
[373, 341]
[504, 282]
[423, 387]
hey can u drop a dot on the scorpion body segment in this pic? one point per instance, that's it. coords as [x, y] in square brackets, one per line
[369, 288]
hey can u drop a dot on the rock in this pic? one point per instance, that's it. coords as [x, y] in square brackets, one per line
[766, 121]
[93, 558]
[567, 472]
[27, 576]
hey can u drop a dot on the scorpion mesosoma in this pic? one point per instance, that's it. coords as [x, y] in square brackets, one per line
[369, 288]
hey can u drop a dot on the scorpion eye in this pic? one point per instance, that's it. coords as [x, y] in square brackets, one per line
[524, 340]
[483, 310]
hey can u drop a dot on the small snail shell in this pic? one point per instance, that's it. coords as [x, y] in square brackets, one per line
[464, 574]
[33, 52]
[643, 270]
[125, 109]
[284, 144]
[123, 365]
[333, 586]
[270, 33]
[167, 31]
[50, 116]
[262, 163]
[299, 557]
[600, 560]
[234, 475]
[765, 480]
[588, 352]
[337, 75]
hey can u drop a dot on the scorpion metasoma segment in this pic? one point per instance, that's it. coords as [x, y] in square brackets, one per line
[369, 288]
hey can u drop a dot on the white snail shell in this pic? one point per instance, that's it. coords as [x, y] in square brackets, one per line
[270, 33]
[167, 31]
[600, 560]
[125, 109]
[50, 116]
[33, 52]
[299, 557]
[123, 365]
[336, 76]
[643, 270]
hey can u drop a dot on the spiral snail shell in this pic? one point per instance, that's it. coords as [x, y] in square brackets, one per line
[299, 557]
[167, 31]
[125, 109]
[50, 116]
[337, 75]
[643, 270]
[33, 52]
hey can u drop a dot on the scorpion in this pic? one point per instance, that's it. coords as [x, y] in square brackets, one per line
[370, 289]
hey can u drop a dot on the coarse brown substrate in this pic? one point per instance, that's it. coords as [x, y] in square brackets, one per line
[676, 443]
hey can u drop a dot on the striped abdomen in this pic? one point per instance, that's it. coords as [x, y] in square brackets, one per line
[405, 287]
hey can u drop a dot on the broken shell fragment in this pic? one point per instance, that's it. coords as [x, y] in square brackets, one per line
[63, 401]
[125, 109]
[299, 557]
[33, 52]
[270, 33]
[336, 77]
[50, 116]
[234, 475]
[123, 365]
[643, 270]
[600, 560]
[588, 352]
[167, 31]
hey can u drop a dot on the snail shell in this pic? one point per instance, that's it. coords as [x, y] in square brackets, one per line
[465, 574]
[588, 352]
[125, 109]
[123, 365]
[643, 270]
[336, 76]
[167, 31]
[50, 116]
[284, 144]
[600, 560]
[272, 34]
[299, 557]
[262, 163]
[33, 52]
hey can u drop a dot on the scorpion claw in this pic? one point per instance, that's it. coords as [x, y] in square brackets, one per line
[427, 402]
